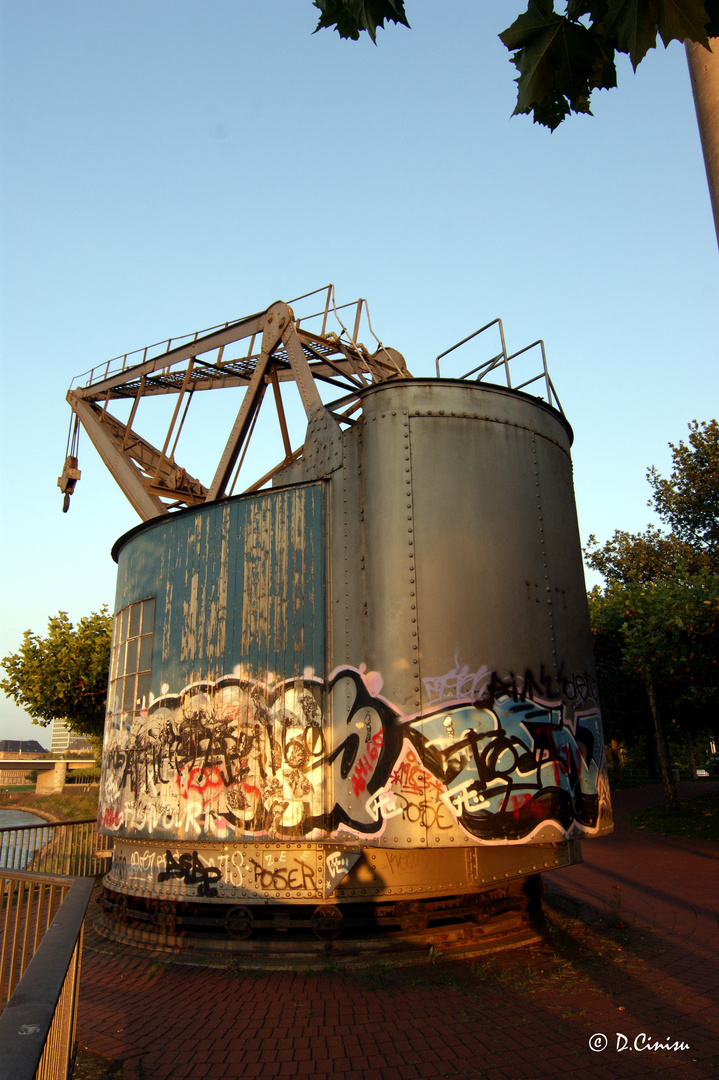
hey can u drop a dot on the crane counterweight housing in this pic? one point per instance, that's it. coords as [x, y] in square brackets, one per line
[371, 681]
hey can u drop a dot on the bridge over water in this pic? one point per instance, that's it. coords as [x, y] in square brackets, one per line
[51, 772]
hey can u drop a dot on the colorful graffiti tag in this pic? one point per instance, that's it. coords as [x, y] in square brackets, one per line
[239, 760]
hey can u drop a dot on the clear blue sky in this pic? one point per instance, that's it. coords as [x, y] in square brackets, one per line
[171, 165]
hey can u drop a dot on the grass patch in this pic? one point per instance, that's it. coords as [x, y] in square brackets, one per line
[92, 1066]
[696, 818]
[70, 806]
[158, 968]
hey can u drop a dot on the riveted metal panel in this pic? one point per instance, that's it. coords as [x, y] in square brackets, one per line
[473, 666]
[222, 872]
[310, 873]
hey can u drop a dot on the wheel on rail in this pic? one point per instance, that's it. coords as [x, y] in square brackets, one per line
[165, 915]
[327, 922]
[478, 908]
[239, 923]
[413, 916]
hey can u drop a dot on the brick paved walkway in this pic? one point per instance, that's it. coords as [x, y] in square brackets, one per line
[642, 959]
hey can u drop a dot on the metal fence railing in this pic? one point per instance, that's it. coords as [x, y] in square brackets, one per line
[28, 904]
[59, 847]
[42, 920]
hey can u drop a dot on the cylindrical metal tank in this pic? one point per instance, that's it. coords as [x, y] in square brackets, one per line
[373, 680]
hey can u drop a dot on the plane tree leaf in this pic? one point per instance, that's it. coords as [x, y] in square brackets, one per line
[632, 25]
[682, 19]
[560, 62]
[351, 17]
[562, 58]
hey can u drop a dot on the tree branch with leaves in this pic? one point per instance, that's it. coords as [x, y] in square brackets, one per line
[656, 623]
[563, 55]
[64, 675]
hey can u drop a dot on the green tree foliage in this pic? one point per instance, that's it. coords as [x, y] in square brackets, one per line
[662, 639]
[63, 676]
[562, 56]
[656, 624]
[349, 17]
[645, 557]
[689, 500]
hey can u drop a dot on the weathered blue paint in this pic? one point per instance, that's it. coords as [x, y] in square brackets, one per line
[237, 584]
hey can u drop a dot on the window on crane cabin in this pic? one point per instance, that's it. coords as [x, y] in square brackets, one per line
[131, 662]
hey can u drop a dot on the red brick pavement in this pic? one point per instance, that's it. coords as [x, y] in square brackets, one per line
[651, 967]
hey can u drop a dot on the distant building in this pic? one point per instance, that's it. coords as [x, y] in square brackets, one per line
[20, 748]
[16, 750]
[64, 741]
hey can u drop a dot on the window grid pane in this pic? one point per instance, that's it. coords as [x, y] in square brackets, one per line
[145, 653]
[148, 616]
[132, 655]
[128, 699]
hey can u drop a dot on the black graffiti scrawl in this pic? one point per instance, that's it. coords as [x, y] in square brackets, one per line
[238, 760]
[512, 767]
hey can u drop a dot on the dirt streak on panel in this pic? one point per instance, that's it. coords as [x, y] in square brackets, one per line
[300, 585]
[254, 614]
[280, 659]
[266, 544]
[166, 614]
[217, 618]
[233, 553]
[188, 630]
[204, 563]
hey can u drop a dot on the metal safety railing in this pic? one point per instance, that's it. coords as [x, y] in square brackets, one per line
[501, 362]
[42, 922]
[59, 847]
[28, 904]
[117, 365]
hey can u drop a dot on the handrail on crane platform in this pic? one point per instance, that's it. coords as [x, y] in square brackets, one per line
[501, 360]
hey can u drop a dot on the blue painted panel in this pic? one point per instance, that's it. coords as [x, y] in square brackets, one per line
[238, 584]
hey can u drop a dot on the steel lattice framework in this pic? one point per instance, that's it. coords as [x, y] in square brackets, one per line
[279, 349]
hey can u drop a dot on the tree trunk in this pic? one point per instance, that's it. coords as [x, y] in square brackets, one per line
[704, 74]
[650, 750]
[670, 791]
[690, 755]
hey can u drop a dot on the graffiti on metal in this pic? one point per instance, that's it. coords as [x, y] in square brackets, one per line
[236, 759]
[220, 872]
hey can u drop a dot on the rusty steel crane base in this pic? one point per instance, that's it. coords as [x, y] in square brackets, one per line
[291, 938]
[358, 696]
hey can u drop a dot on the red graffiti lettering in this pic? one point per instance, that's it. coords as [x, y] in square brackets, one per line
[203, 780]
[516, 802]
[110, 818]
[363, 768]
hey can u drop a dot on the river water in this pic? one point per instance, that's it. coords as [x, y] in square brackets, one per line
[16, 849]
